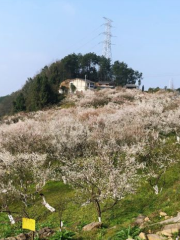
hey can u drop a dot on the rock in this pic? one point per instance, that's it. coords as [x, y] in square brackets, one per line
[155, 237]
[171, 219]
[114, 227]
[10, 238]
[29, 236]
[167, 217]
[147, 219]
[45, 232]
[21, 236]
[139, 220]
[162, 214]
[178, 214]
[92, 226]
[47, 229]
[171, 228]
[142, 236]
[166, 233]
[41, 231]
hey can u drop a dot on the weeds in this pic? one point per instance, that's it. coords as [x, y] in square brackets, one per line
[127, 233]
[64, 235]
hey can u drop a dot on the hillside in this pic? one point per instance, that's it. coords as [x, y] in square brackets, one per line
[113, 147]
[42, 90]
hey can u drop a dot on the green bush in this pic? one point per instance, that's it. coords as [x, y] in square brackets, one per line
[128, 97]
[64, 235]
[99, 102]
[127, 233]
[9, 230]
[67, 104]
[153, 90]
[73, 87]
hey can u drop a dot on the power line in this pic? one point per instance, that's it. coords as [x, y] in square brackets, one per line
[97, 44]
[163, 75]
[84, 38]
[87, 42]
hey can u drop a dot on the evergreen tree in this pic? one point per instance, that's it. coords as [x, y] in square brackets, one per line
[43, 89]
[19, 103]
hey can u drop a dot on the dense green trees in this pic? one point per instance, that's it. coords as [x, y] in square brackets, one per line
[19, 103]
[37, 93]
[96, 68]
[123, 74]
[6, 103]
[42, 90]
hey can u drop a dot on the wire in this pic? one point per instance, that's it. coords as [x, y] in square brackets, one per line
[82, 39]
[163, 75]
[88, 42]
[94, 46]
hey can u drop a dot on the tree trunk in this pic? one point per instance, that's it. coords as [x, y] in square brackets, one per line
[98, 208]
[61, 225]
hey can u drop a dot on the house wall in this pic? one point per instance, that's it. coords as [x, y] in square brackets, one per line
[79, 84]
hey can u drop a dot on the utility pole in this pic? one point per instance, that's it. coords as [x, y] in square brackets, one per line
[85, 83]
[107, 42]
[171, 84]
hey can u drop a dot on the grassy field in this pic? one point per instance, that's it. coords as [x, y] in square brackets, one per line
[122, 215]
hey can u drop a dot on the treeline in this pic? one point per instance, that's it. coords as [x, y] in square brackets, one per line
[6, 104]
[42, 90]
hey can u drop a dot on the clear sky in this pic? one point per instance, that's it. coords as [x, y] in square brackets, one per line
[34, 33]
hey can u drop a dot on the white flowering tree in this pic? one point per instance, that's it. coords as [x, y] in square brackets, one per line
[102, 177]
[22, 177]
[158, 155]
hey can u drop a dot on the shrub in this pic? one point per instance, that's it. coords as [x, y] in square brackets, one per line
[118, 100]
[153, 90]
[128, 97]
[127, 233]
[73, 87]
[171, 106]
[99, 102]
[64, 235]
[67, 104]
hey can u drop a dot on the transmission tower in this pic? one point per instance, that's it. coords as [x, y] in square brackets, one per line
[107, 42]
[171, 84]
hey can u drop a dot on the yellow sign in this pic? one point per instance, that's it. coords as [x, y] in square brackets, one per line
[28, 223]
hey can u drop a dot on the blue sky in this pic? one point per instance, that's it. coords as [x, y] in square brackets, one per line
[34, 33]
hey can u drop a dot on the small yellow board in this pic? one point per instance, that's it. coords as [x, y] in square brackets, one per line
[29, 224]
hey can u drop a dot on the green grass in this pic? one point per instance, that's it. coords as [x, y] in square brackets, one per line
[144, 201]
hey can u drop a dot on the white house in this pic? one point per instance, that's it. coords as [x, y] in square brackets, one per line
[79, 85]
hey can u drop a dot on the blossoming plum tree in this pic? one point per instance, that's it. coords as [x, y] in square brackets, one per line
[102, 177]
[21, 180]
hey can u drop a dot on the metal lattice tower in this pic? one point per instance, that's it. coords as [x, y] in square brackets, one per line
[107, 42]
[171, 84]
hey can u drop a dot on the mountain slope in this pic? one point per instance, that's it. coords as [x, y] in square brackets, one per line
[123, 123]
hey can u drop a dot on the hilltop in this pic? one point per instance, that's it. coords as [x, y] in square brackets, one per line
[42, 90]
[113, 146]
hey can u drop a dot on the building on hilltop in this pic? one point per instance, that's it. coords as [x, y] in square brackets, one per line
[105, 84]
[131, 86]
[76, 85]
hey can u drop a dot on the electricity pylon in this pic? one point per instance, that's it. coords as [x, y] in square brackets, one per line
[107, 42]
